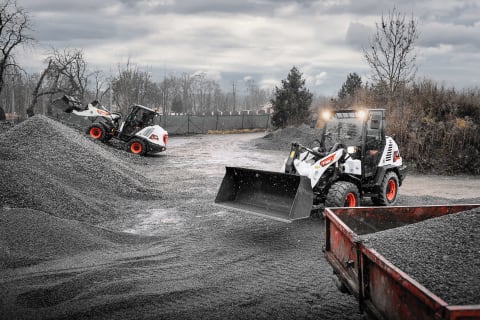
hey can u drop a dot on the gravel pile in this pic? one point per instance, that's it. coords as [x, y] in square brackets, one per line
[50, 167]
[56, 183]
[282, 139]
[30, 236]
[442, 254]
[5, 126]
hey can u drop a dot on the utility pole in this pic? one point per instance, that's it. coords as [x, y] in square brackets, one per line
[233, 93]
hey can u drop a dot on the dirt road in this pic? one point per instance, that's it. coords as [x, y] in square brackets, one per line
[196, 260]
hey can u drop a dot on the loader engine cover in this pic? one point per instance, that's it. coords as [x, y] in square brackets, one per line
[280, 196]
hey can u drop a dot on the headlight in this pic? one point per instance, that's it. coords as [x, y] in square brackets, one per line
[326, 115]
[352, 150]
[362, 114]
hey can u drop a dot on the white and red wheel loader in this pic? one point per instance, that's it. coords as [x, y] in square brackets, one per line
[137, 131]
[354, 159]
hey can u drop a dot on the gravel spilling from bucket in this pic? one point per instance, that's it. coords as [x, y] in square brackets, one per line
[442, 254]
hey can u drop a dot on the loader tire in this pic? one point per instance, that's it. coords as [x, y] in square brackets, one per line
[387, 196]
[97, 132]
[137, 146]
[343, 194]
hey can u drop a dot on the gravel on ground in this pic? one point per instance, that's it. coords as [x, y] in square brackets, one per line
[89, 230]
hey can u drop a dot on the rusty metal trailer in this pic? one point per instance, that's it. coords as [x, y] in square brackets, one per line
[382, 289]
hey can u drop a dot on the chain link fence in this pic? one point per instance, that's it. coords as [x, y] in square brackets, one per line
[191, 124]
[195, 124]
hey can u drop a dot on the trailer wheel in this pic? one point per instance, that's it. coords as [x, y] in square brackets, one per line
[387, 195]
[97, 132]
[137, 146]
[342, 194]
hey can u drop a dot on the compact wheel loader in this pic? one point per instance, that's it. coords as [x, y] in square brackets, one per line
[351, 160]
[137, 131]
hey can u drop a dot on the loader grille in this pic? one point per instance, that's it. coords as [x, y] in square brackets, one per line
[389, 155]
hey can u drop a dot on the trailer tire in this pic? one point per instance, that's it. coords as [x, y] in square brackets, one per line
[97, 132]
[387, 196]
[137, 146]
[342, 194]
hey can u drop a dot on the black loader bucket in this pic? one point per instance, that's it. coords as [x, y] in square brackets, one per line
[275, 195]
[67, 104]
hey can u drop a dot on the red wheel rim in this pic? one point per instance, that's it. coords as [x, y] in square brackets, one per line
[391, 191]
[136, 147]
[350, 200]
[95, 133]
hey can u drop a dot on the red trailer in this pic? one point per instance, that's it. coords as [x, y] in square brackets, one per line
[382, 289]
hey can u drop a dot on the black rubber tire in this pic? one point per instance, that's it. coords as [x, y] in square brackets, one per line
[137, 146]
[97, 132]
[343, 194]
[387, 196]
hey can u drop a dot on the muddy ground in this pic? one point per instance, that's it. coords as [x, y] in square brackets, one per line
[167, 251]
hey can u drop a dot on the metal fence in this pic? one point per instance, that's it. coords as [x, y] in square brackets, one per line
[193, 124]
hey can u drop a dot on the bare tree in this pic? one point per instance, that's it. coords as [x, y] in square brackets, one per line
[66, 73]
[133, 85]
[14, 28]
[101, 83]
[391, 52]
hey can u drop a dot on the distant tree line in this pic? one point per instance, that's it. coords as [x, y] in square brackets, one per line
[66, 71]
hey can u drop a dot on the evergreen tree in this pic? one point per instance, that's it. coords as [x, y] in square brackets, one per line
[291, 102]
[352, 84]
[177, 105]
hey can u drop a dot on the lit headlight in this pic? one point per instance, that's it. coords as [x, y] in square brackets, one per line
[326, 115]
[362, 114]
[352, 149]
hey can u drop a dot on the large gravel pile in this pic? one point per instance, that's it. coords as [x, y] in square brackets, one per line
[282, 139]
[47, 166]
[30, 236]
[443, 254]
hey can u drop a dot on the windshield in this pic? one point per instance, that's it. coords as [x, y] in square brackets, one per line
[345, 128]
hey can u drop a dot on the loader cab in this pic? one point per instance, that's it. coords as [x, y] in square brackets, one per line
[361, 132]
[343, 127]
[138, 118]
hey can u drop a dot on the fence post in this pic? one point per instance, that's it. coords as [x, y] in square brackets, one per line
[243, 116]
[188, 123]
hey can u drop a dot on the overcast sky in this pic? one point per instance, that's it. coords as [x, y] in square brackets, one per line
[255, 39]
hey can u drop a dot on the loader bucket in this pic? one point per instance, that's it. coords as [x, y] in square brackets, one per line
[67, 104]
[62, 105]
[275, 195]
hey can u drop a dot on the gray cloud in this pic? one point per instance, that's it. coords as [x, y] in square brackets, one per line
[358, 35]
[258, 38]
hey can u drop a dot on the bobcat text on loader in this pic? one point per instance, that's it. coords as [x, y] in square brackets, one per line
[138, 131]
[354, 159]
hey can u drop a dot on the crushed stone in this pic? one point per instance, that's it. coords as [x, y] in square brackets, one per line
[442, 254]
